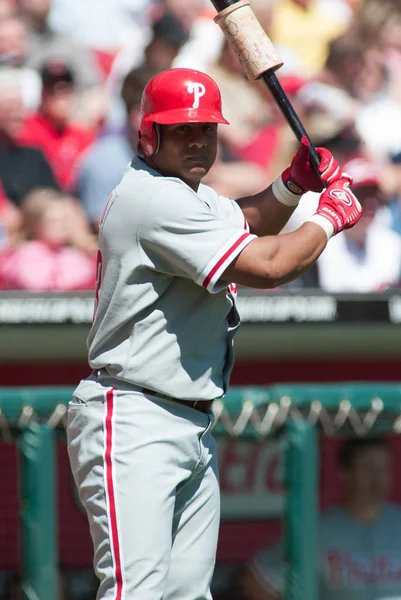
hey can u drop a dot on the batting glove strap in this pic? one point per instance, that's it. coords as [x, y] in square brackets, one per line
[324, 223]
[284, 195]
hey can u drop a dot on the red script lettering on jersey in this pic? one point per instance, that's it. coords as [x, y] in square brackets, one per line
[99, 267]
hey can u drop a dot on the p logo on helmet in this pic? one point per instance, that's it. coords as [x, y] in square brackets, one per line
[177, 96]
[198, 90]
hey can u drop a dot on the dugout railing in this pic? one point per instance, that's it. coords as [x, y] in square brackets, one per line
[33, 418]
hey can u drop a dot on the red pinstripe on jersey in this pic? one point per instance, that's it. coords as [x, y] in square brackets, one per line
[223, 259]
[110, 496]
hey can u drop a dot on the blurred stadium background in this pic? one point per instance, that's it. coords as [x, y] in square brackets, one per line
[71, 77]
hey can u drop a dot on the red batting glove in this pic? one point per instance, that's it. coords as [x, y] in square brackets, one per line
[338, 207]
[301, 177]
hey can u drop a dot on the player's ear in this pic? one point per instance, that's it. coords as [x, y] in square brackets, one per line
[157, 129]
[139, 149]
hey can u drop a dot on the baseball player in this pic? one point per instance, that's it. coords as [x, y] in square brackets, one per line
[359, 541]
[171, 253]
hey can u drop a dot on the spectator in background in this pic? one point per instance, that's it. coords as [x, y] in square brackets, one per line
[369, 258]
[167, 37]
[22, 168]
[10, 220]
[359, 541]
[355, 79]
[105, 25]
[205, 40]
[44, 44]
[326, 111]
[379, 22]
[95, 182]
[306, 27]
[345, 62]
[187, 12]
[390, 215]
[14, 52]
[7, 9]
[51, 130]
[343, 141]
[59, 253]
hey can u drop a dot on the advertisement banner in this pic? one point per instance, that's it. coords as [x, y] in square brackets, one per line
[250, 479]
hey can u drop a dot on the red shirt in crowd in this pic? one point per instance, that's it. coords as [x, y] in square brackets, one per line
[3, 198]
[61, 148]
[37, 267]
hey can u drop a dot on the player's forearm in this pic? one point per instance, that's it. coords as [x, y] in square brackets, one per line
[269, 262]
[264, 213]
[294, 253]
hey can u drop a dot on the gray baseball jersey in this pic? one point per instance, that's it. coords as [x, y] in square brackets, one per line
[357, 561]
[163, 319]
[145, 467]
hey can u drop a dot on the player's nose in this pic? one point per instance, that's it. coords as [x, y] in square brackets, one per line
[198, 143]
[198, 139]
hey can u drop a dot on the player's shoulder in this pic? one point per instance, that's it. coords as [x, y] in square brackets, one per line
[222, 206]
[208, 193]
[140, 173]
[142, 185]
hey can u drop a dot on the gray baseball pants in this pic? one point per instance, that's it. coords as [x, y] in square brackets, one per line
[146, 472]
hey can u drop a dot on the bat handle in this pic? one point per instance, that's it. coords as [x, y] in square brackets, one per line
[270, 79]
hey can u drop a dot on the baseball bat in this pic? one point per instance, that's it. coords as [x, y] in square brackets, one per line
[259, 58]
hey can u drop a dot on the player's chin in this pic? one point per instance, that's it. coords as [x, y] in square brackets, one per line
[199, 170]
[197, 173]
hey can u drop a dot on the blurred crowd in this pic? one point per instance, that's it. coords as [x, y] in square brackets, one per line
[71, 77]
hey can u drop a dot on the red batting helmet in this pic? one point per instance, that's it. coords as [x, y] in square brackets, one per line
[177, 96]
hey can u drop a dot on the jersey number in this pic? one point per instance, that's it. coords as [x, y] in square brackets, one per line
[99, 267]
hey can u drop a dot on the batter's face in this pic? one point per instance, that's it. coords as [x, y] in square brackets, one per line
[187, 151]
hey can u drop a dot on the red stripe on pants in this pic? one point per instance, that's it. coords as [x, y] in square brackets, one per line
[110, 494]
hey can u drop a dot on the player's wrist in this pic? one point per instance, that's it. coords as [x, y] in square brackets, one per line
[323, 222]
[286, 191]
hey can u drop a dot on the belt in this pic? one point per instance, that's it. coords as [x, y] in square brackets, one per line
[202, 405]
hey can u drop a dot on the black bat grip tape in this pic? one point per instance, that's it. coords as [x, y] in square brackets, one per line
[222, 4]
[289, 113]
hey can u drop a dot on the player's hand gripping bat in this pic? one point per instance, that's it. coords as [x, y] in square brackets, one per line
[258, 57]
